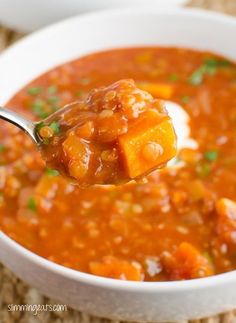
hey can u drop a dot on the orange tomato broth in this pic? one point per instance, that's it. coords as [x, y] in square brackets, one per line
[180, 224]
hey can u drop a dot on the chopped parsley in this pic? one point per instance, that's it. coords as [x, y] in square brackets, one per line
[2, 148]
[214, 62]
[85, 81]
[53, 99]
[52, 172]
[46, 141]
[209, 67]
[185, 99]
[203, 170]
[31, 204]
[52, 89]
[174, 77]
[197, 77]
[208, 257]
[79, 93]
[39, 110]
[34, 90]
[39, 125]
[55, 126]
[211, 155]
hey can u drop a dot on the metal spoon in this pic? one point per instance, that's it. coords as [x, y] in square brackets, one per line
[29, 127]
[179, 117]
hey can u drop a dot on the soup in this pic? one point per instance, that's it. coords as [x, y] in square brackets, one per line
[180, 223]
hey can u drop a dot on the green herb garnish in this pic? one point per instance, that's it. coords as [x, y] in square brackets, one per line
[210, 62]
[209, 67]
[53, 99]
[52, 89]
[55, 126]
[85, 81]
[197, 77]
[185, 99]
[38, 108]
[34, 90]
[203, 170]
[79, 93]
[2, 148]
[208, 257]
[211, 155]
[52, 172]
[46, 141]
[173, 77]
[31, 204]
[40, 125]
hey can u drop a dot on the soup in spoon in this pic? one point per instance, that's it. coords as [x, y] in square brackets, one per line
[118, 133]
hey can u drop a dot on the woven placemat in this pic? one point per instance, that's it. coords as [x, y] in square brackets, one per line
[14, 291]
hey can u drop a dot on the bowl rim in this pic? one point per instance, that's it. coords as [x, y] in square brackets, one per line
[108, 283]
[184, 11]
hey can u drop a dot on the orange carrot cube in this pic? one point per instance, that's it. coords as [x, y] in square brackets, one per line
[148, 145]
[187, 262]
[112, 267]
[158, 90]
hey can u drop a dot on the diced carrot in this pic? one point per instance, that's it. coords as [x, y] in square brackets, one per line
[187, 262]
[226, 222]
[112, 267]
[74, 148]
[158, 90]
[79, 155]
[78, 168]
[147, 146]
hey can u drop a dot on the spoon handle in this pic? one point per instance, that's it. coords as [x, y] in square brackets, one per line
[17, 120]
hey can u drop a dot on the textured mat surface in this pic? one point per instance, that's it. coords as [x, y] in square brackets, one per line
[14, 291]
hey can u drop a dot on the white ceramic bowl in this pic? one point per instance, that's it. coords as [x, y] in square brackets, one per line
[28, 15]
[163, 301]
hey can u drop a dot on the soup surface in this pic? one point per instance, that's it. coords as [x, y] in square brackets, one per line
[179, 224]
